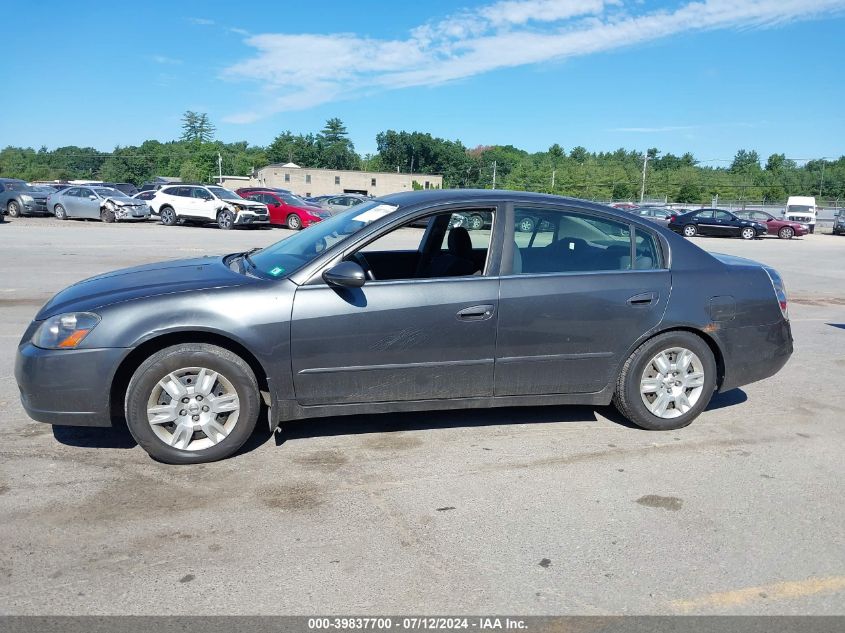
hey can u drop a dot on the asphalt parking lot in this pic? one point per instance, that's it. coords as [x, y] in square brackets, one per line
[556, 510]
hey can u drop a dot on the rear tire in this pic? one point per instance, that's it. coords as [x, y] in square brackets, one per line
[227, 377]
[293, 222]
[167, 216]
[786, 233]
[14, 209]
[60, 212]
[633, 390]
[690, 230]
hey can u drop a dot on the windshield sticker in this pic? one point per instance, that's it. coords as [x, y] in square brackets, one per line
[278, 270]
[371, 215]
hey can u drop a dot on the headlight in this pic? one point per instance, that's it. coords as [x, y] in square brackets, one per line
[26, 199]
[65, 331]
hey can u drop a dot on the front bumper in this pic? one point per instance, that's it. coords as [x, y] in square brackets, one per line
[132, 213]
[35, 207]
[68, 387]
[252, 218]
[754, 352]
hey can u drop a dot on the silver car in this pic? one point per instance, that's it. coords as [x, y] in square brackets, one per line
[341, 202]
[97, 203]
[658, 215]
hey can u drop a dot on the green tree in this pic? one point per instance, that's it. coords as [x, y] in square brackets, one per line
[196, 127]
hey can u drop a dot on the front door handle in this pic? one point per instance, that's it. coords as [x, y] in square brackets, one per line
[643, 299]
[476, 313]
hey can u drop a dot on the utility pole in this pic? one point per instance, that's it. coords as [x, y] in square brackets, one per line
[554, 171]
[219, 169]
[494, 174]
[821, 186]
[642, 188]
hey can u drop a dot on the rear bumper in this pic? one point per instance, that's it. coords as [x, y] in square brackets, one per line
[754, 353]
[68, 387]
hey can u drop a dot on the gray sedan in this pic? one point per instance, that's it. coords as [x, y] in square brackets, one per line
[97, 203]
[658, 215]
[389, 307]
[339, 203]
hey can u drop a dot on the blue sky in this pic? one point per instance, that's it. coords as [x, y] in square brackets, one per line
[708, 77]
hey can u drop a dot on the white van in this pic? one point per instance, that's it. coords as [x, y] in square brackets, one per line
[801, 209]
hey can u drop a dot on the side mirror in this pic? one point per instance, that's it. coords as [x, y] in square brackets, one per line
[92, 197]
[346, 275]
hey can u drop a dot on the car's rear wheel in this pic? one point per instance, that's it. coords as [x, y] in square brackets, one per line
[294, 223]
[192, 403]
[225, 220]
[13, 209]
[59, 212]
[667, 382]
[786, 233]
[748, 233]
[690, 230]
[107, 215]
[167, 216]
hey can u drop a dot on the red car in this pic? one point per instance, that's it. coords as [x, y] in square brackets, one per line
[784, 229]
[285, 208]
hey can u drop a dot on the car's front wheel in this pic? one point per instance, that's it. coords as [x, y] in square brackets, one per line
[60, 212]
[748, 233]
[293, 222]
[667, 382]
[786, 233]
[14, 209]
[225, 220]
[192, 403]
[690, 230]
[108, 216]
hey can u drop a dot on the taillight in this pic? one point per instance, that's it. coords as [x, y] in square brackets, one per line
[672, 218]
[780, 290]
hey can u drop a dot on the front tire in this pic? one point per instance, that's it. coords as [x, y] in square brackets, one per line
[294, 223]
[476, 222]
[225, 220]
[786, 233]
[690, 230]
[60, 212]
[667, 382]
[192, 403]
[748, 233]
[107, 216]
[14, 209]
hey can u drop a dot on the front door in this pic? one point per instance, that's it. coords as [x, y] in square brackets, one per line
[419, 337]
[575, 301]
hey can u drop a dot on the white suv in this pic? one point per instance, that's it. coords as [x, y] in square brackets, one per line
[200, 203]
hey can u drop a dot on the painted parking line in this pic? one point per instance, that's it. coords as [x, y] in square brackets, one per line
[777, 591]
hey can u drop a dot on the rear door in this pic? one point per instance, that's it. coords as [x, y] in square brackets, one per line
[706, 223]
[582, 288]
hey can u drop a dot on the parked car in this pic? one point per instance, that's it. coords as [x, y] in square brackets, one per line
[839, 223]
[206, 203]
[338, 320]
[658, 215]
[55, 186]
[18, 198]
[287, 209]
[716, 222]
[801, 209]
[96, 203]
[784, 229]
[340, 203]
[625, 206]
[146, 195]
[245, 190]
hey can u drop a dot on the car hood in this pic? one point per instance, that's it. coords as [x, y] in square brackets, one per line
[243, 202]
[143, 281]
[126, 201]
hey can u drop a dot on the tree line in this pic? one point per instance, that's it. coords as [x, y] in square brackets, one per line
[576, 172]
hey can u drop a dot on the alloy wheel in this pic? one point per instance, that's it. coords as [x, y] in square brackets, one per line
[748, 233]
[689, 230]
[672, 382]
[193, 408]
[14, 209]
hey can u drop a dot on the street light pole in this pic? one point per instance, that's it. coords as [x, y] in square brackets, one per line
[494, 174]
[642, 188]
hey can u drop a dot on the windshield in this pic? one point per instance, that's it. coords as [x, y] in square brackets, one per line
[38, 189]
[223, 194]
[107, 192]
[292, 199]
[283, 258]
[799, 208]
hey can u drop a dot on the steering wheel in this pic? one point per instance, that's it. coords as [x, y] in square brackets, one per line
[365, 265]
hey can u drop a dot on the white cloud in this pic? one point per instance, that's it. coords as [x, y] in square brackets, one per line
[201, 21]
[303, 70]
[164, 59]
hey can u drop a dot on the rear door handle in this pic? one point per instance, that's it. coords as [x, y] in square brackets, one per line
[476, 313]
[643, 299]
